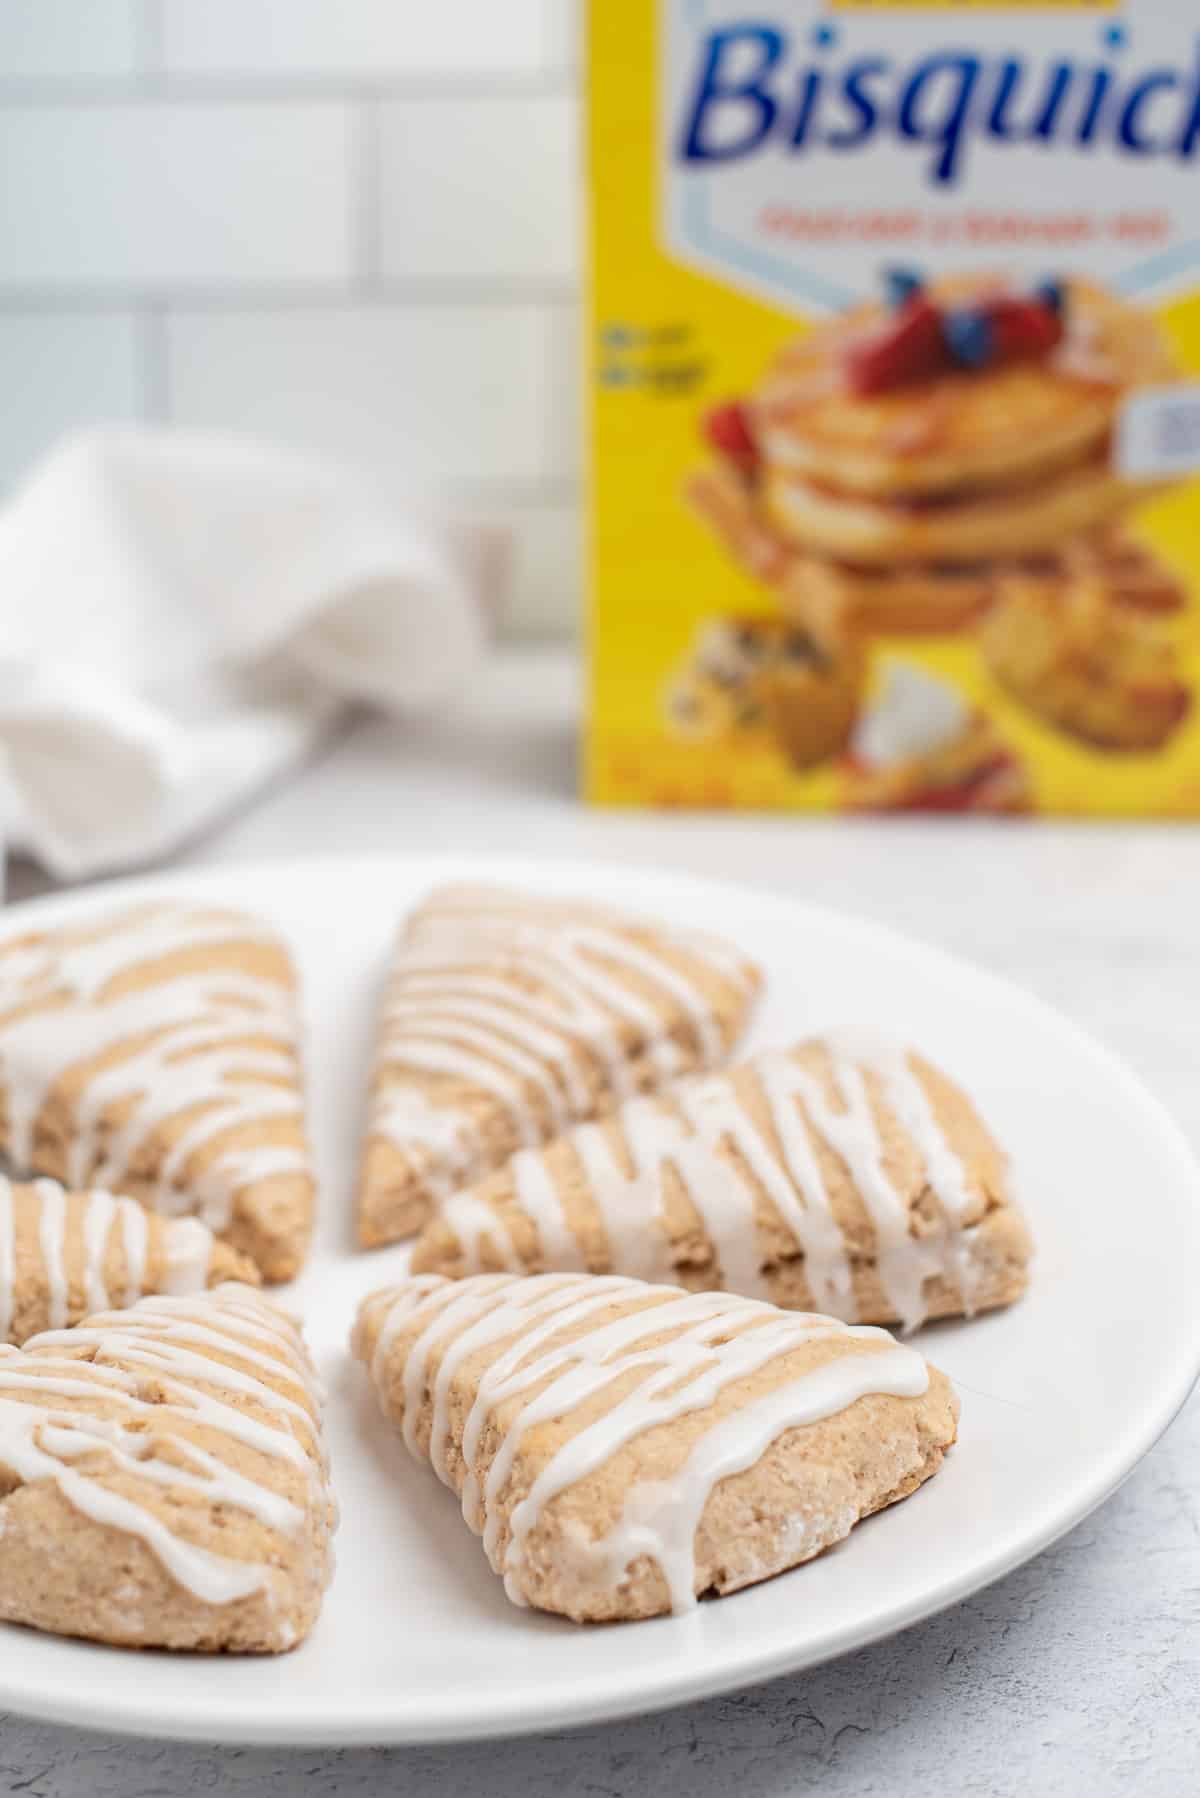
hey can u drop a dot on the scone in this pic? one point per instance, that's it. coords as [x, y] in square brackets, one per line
[626, 1449]
[155, 1052]
[920, 747]
[164, 1478]
[1086, 645]
[842, 1176]
[509, 1017]
[65, 1254]
[769, 683]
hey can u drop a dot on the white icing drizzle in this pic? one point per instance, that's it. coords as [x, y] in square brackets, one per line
[480, 1023]
[695, 1006]
[473, 1221]
[404, 1115]
[185, 1053]
[724, 1201]
[903, 1262]
[459, 1004]
[187, 1248]
[565, 1005]
[398, 1304]
[98, 1217]
[40, 1440]
[127, 1447]
[211, 1578]
[135, 1238]
[52, 1236]
[826, 1265]
[945, 1172]
[432, 1056]
[539, 1199]
[637, 1246]
[685, 1130]
[8, 1260]
[660, 1518]
[686, 1348]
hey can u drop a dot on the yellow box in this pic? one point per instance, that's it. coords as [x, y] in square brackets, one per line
[893, 361]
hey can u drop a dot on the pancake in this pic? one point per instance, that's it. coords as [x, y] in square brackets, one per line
[995, 427]
[919, 601]
[826, 597]
[1000, 524]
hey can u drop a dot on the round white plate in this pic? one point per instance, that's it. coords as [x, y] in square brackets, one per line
[1060, 1396]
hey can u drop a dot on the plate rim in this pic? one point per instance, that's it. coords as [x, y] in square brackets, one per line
[608, 1697]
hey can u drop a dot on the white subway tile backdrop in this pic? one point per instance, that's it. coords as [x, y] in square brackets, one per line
[162, 195]
[363, 38]
[349, 224]
[432, 392]
[59, 366]
[503, 203]
[61, 38]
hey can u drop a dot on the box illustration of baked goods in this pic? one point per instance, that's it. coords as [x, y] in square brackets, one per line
[893, 372]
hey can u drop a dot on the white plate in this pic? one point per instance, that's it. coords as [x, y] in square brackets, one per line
[1060, 1396]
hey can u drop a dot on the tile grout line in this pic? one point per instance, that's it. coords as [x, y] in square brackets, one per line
[563, 451]
[499, 292]
[572, 32]
[150, 48]
[560, 492]
[154, 371]
[153, 80]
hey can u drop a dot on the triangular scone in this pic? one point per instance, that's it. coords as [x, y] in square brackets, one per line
[624, 1449]
[65, 1254]
[164, 1478]
[154, 1052]
[508, 1018]
[844, 1176]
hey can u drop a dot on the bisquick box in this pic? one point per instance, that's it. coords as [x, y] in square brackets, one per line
[893, 362]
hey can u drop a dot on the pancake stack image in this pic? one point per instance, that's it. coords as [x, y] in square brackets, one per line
[939, 463]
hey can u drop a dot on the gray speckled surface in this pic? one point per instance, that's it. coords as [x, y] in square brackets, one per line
[1076, 1676]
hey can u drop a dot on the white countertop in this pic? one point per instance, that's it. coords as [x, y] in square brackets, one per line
[1076, 1675]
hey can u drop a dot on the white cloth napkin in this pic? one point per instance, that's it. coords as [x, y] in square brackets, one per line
[182, 618]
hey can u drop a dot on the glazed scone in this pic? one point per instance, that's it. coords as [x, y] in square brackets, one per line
[843, 1176]
[164, 1478]
[625, 1449]
[66, 1254]
[508, 1017]
[155, 1052]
